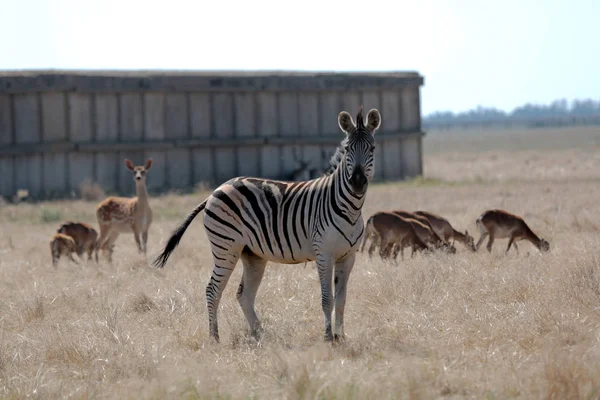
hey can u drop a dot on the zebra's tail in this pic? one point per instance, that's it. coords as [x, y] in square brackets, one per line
[367, 234]
[176, 236]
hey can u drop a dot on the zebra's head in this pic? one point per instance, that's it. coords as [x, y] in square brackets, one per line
[359, 165]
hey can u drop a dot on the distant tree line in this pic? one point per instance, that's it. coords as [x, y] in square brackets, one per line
[558, 113]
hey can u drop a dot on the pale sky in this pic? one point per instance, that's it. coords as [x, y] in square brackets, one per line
[471, 52]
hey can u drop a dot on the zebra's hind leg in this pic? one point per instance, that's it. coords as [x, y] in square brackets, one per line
[254, 269]
[342, 273]
[224, 264]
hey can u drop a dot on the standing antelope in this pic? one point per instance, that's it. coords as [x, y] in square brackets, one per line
[62, 245]
[123, 214]
[500, 224]
[261, 220]
[84, 235]
[390, 229]
[444, 230]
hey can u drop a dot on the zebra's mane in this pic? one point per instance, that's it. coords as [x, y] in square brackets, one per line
[336, 159]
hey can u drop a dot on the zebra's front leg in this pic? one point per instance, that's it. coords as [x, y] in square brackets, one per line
[325, 269]
[342, 273]
[254, 269]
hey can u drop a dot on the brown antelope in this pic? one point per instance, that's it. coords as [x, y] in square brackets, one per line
[437, 241]
[62, 245]
[500, 224]
[445, 231]
[391, 229]
[123, 214]
[84, 235]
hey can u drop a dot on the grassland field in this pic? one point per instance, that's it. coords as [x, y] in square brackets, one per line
[468, 325]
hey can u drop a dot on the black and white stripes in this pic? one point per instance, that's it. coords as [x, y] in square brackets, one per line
[261, 220]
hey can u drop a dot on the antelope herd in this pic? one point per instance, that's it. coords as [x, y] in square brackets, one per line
[392, 231]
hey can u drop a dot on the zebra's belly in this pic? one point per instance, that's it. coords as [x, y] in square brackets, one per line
[293, 256]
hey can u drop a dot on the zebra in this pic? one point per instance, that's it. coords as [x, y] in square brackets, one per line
[261, 220]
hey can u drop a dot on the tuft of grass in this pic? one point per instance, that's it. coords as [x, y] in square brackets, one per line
[35, 309]
[141, 303]
[91, 191]
[49, 215]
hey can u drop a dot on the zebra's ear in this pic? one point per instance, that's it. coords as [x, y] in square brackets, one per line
[346, 123]
[373, 120]
[129, 164]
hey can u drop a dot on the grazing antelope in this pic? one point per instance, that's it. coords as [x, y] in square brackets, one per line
[62, 245]
[123, 214]
[84, 235]
[500, 224]
[391, 229]
[437, 241]
[445, 231]
[261, 220]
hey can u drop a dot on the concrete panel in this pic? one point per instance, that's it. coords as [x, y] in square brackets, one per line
[203, 171]
[351, 103]
[80, 118]
[7, 188]
[131, 116]
[225, 158]
[222, 113]
[248, 158]
[371, 100]
[107, 117]
[330, 108]
[156, 179]
[225, 164]
[291, 156]
[308, 110]
[411, 157]
[29, 174]
[268, 124]
[270, 162]
[81, 166]
[6, 126]
[54, 116]
[54, 174]
[392, 156]
[391, 109]
[27, 118]
[154, 116]
[200, 118]
[179, 169]
[411, 109]
[176, 115]
[107, 171]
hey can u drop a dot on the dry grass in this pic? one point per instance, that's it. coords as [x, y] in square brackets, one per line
[464, 326]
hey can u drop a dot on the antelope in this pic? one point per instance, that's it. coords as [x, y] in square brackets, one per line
[500, 224]
[84, 235]
[436, 239]
[123, 214]
[391, 229]
[445, 231]
[61, 244]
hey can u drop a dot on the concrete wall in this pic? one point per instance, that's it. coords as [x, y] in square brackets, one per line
[57, 129]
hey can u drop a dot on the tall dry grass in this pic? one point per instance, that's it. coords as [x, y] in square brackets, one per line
[469, 325]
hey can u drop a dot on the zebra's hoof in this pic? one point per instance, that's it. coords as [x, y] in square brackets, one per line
[338, 339]
[328, 337]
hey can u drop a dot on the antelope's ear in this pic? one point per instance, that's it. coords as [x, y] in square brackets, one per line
[346, 123]
[129, 164]
[373, 120]
[148, 164]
